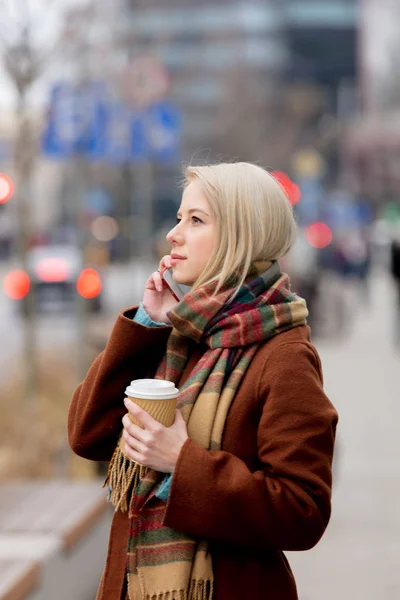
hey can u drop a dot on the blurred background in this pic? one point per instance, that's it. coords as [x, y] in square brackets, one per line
[102, 105]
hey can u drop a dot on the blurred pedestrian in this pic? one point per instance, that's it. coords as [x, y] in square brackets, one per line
[244, 472]
[395, 271]
[354, 247]
[303, 267]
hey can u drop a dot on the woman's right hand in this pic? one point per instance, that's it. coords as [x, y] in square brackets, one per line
[157, 299]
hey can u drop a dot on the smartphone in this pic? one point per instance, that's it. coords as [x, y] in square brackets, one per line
[173, 287]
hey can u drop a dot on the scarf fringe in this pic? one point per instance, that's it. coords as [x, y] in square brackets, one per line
[123, 475]
[201, 590]
[198, 590]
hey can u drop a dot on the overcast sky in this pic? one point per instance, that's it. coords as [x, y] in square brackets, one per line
[45, 18]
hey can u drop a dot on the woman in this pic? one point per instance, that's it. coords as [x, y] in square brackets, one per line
[244, 473]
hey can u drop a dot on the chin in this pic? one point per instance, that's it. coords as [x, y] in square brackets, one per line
[184, 281]
[181, 279]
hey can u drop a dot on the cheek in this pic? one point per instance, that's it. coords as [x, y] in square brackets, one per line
[209, 245]
[205, 250]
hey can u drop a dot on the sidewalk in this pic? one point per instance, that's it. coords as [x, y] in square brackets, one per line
[359, 556]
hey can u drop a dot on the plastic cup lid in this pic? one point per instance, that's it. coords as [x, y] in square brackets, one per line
[154, 389]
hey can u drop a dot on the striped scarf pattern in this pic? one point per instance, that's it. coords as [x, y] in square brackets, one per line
[164, 564]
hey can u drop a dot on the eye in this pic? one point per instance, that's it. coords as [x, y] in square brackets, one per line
[196, 220]
[178, 220]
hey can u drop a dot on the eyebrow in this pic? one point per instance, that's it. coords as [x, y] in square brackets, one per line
[192, 210]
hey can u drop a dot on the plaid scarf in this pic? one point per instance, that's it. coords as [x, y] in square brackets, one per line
[164, 564]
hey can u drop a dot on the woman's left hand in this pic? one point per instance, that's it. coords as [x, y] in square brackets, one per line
[155, 446]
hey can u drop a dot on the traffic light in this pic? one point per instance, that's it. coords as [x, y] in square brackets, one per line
[6, 188]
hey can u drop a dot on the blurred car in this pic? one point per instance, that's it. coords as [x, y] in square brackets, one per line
[54, 271]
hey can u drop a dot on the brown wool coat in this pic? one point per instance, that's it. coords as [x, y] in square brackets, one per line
[267, 490]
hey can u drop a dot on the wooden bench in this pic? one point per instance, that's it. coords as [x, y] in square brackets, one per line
[53, 539]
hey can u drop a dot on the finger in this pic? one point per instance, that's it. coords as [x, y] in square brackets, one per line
[165, 263]
[159, 281]
[134, 455]
[134, 430]
[155, 282]
[132, 442]
[142, 416]
[162, 265]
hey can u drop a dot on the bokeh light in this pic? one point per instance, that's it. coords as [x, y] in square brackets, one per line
[53, 269]
[17, 284]
[105, 229]
[6, 188]
[295, 194]
[319, 235]
[290, 188]
[89, 283]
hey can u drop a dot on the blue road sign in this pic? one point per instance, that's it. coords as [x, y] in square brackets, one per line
[59, 136]
[74, 120]
[118, 134]
[83, 121]
[163, 130]
[140, 142]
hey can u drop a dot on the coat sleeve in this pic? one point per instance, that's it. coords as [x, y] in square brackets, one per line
[133, 351]
[285, 504]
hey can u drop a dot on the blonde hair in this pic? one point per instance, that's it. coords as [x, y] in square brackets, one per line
[253, 215]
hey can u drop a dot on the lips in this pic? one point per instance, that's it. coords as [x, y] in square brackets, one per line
[176, 258]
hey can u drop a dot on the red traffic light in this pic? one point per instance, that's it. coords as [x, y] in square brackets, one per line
[89, 283]
[319, 235]
[17, 284]
[290, 188]
[6, 188]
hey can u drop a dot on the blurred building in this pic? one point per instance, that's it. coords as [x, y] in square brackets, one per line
[322, 40]
[372, 141]
[220, 58]
[230, 66]
[203, 45]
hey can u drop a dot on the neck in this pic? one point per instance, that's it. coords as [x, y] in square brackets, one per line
[257, 267]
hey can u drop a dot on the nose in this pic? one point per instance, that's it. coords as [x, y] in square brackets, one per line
[174, 236]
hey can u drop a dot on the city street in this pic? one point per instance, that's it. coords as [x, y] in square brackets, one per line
[358, 556]
[60, 331]
[120, 120]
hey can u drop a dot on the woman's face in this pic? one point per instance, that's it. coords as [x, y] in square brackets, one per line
[194, 236]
